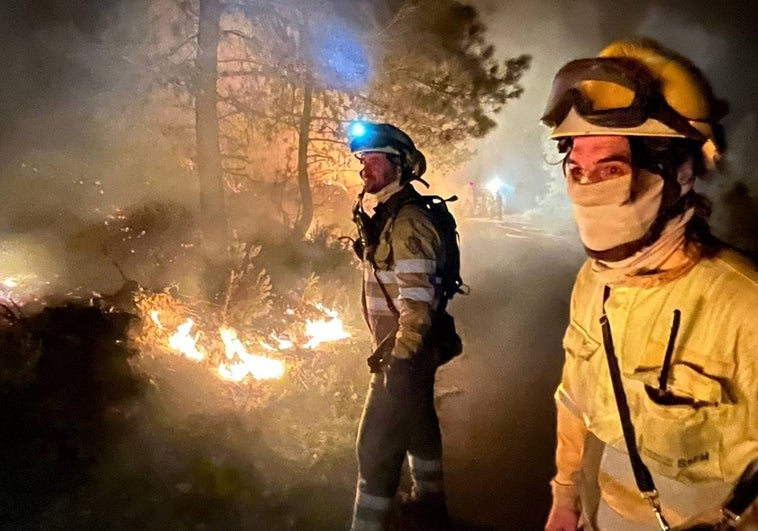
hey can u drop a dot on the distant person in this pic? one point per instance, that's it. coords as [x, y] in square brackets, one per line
[498, 205]
[657, 408]
[411, 268]
[469, 200]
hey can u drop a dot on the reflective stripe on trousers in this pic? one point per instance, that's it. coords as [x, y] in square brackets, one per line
[369, 512]
[426, 475]
[389, 430]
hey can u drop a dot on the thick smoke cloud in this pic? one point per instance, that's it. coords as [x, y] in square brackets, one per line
[76, 145]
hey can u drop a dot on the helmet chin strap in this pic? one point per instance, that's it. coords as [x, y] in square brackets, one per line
[419, 179]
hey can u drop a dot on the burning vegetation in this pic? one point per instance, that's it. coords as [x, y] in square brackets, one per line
[150, 407]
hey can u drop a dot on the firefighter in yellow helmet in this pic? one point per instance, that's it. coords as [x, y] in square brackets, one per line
[657, 408]
[406, 284]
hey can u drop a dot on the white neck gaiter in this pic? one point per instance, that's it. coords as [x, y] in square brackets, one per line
[657, 258]
[385, 193]
[612, 213]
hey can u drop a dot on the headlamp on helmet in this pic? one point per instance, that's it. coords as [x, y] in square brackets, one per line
[370, 137]
[356, 130]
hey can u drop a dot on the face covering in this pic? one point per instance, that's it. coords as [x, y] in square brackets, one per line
[389, 190]
[619, 211]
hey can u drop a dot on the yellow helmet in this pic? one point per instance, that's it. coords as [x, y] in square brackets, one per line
[635, 88]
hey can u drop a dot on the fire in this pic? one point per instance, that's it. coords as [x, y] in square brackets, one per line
[241, 363]
[236, 363]
[322, 331]
[185, 343]
[155, 317]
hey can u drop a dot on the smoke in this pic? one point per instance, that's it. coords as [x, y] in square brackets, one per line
[78, 146]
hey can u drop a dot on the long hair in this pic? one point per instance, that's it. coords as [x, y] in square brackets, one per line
[664, 156]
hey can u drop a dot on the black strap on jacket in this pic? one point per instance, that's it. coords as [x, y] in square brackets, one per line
[745, 492]
[642, 475]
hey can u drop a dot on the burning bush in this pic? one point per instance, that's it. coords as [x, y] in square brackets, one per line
[158, 409]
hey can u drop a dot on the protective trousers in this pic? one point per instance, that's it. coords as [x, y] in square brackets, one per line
[390, 428]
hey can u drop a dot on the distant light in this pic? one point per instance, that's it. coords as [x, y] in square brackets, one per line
[494, 185]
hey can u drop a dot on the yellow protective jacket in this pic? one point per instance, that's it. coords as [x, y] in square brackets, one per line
[408, 260]
[695, 450]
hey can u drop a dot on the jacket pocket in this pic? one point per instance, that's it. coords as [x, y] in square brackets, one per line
[579, 383]
[679, 431]
[578, 343]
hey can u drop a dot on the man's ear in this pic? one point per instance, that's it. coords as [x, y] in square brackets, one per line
[398, 170]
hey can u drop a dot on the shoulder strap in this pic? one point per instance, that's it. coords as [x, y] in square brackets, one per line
[642, 475]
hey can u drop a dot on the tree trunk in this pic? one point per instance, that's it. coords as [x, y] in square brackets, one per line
[306, 198]
[213, 219]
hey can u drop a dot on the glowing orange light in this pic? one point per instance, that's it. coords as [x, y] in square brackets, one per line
[324, 330]
[242, 364]
[186, 343]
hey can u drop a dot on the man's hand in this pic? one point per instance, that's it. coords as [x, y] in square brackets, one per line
[400, 378]
[562, 519]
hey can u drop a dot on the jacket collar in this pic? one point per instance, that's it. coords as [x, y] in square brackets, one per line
[394, 201]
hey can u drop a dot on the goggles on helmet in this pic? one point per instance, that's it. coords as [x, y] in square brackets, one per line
[617, 93]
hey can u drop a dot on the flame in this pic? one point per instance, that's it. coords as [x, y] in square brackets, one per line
[238, 364]
[282, 343]
[156, 319]
[322, 330]
[259, 367]
[9, 282]
[185, 343]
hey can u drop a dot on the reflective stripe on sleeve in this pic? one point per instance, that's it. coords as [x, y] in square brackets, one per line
[416, 265]
[377, 304]
[418, 293]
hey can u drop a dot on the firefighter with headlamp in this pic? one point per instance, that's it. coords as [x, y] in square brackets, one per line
[404, 257]
[657, 409]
